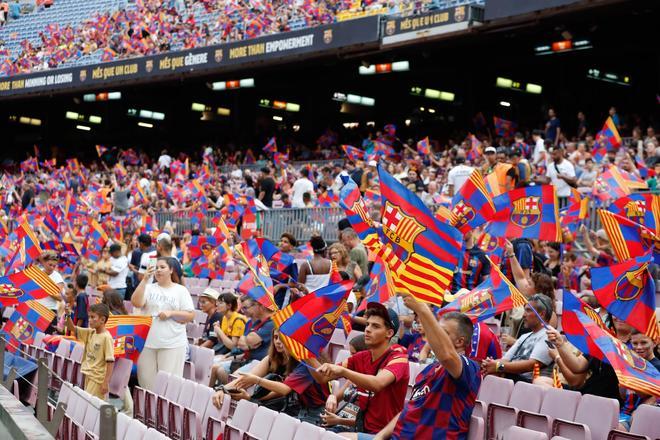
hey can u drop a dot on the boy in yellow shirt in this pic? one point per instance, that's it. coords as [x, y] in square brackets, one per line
[99, 356]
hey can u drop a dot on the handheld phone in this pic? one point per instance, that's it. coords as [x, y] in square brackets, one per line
[549, 344]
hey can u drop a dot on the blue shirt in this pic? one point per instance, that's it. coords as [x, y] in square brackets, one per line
[551, 129]
[264, 331]
[472, 266]
[80, 312]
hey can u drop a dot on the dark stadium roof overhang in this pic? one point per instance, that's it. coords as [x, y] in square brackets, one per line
[465, 63]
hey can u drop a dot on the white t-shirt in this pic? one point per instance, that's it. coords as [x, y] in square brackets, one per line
[300, 187]
[168, 333]
[119, 265]
[144, 260]
[458, 175]
[539, 148]
[49, 302]
[145, 185]
[566, 168]
[164, 161]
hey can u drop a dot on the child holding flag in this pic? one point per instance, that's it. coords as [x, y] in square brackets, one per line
[99, 356]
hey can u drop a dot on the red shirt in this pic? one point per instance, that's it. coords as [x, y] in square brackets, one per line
[384, 405]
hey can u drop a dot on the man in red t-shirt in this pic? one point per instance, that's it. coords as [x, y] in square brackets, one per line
[380, 373]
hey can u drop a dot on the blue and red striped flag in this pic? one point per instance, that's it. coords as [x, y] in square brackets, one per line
[642, 208]
[608, 136]
[95, 242]
[503, 127]
[271, 145]
[614, 183]
[101, 150]
[28, 318]
[573, 215]
[492, 246]
[353, 153]
[627, 291]
[380, 287]
[527, 213]
[307, 324]
[373, 196]
[27, 251]
[256, 282]
[424, 147]
[571, 302]
[493, 296]
[633, 372]
[129, 333]
[628, 239]
[280, 159]
[472, 206]
[283, 267]
[31, 283]
[475, 149]
[52, 220]
[428, 249]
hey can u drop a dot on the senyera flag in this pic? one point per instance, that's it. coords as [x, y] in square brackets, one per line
[493, 296]
[28, 318]
[472, 206]
[31, 283]
[307, 324]
[129, 333]
[633, 372]
[629, 239]
[527, 213]
[642, 208]
[627, 291]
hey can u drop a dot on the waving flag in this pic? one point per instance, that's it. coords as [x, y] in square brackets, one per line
[373, 196]
[31, 283]
[256, 282]
[493, 296]
[503, 127]
[129, 333]
[572, 216]
[95, 241]
[572, 302]
[633, 372]
[614, 183]
[627, 291]
[283, 267]
[52, 220]
[609, 137]
[424, 147]
[306, 325]
[353, 153]
[28, 249]
[427, 248]
[101, 150]
[28, 318]
[475, 149]
[642, 208]
[271, 145]
[527, 213]
[280, 158]
[380, 287]
[628, 239]
[492, 246]
[472, 206]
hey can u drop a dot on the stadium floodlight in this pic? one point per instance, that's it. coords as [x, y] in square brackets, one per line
[145, 124]
[113, 96]
[146, 114]
[447, 96]
[24, 120]
[432, 94]
[90, 97]
[223, 111]
[367, 101]
[431, 110]
[505, 103]
[72, 115]
[372, 69]
[197, 107]
[292, 107]
[277, 118]
[103, 96]
[83, 127]
[95, 119]
[407, 122]
[533, 88]
[233, 84]
[504, 83]
[36, 122]
[295, 127]
[158, 116]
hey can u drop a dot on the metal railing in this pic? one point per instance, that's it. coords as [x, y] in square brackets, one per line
[296, 164]
[302, 223]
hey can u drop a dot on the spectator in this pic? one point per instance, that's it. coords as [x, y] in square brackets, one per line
[339, 255]
[164, 161]
[458, 175]
[100, 269]
[114, 301]
[171, 304]
[120, 198]
[266, 187]
[561, 173]
[380, 373]
[288, 243]
[445, 392]
[144, 246]
[356, 250]
[539, 154]
[315, 274]
[301, 186]
[49, 261]
[473, 266]
[229, 331]
[208, 303]
[552, 127]
[518, 362]
[99, 355]
[118, 270]
[582, 127]
[80, 316]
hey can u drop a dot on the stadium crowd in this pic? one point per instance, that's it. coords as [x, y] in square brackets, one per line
[148, 28]
[143, 263]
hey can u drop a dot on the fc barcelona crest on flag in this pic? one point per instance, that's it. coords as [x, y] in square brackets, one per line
[124, 346]
[476, 302]
[464, 214]
[22, 330]
[401, 228]
[631, 284]
[629, 356]
[10, 291]
[526, 211]
[636, 210]
[325, 325]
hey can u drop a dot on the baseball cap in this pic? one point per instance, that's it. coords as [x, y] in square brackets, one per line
[389, 316]
[490, 150]
[163, 236]
[373, 163]
[211, 293]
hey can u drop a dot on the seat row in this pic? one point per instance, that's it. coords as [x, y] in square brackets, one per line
[557, 412]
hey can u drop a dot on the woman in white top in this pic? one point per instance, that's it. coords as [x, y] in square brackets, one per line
[171, 307]
[315, 274]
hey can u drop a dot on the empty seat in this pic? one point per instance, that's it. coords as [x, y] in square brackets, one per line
[261, 424]
[152, 434]
[329, 435]
[284, 427]
[175, 411]
[493, 390]
[240, 422]
[557, 404]
[645, 424]
[214, 418]
[122, 425]
[499, 417]
[194, 415]
[341, 356]
[307, 431]
[121, 374]
[477, 428]
[595, 417]
[144, 401]
[203, 362]
[163, 402]
[135, 430]
[518, 433]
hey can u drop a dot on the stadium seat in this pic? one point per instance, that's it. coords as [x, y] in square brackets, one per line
[307, 431]
[214, 418]
[595, 417]
[172, 393]
[194, 416]
[477, 428]
[261, 424]
[341, 356]
[200, 317]
[493, 389]
[144, 401]
[203, 361]
[645, 424]
[284, 427]
[175, 409]
[152, 434]
[329, 435]
[557, 403]
[62, 352]
[240, 421]
[121, 374]
[135, 430]
[518, 433]
[337, 342]
[69, 372]
[122, 425]
[499, 417]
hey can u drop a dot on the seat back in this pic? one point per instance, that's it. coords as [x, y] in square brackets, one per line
[307, 431]
[600, 414]
[203, 364]
[121, 374]
[495, 390]
[188, 390]
[560, 404]
[173, 388]
[518, 433]
[160, 384]
[77, 352]
[122, 425]
[64, 348]
[262, 422]
[646, 421]
[136, 430]
[341, 356]
[477, 428]
[152, 434]
[39, 340]
[244, 414]
[526, 396]
[284, 427]
[92, 415]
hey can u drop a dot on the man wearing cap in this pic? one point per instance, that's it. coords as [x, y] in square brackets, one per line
[380, 373]
[208, 303]
[458, 175]
[442, 400]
